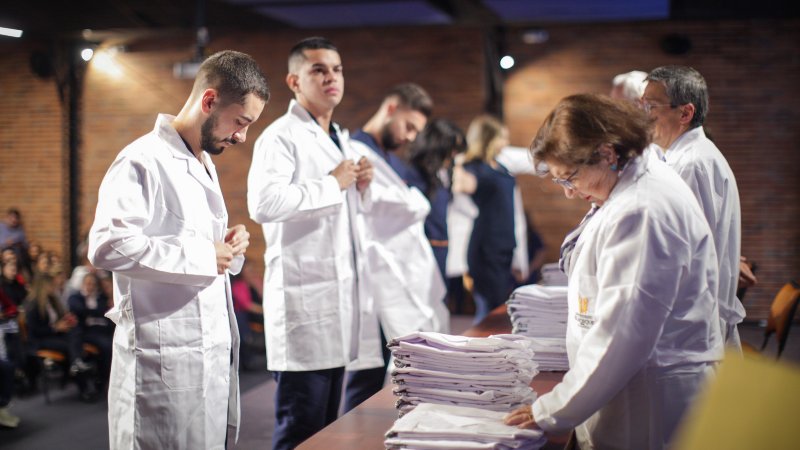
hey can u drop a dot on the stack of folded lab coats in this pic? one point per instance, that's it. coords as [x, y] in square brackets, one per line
[431, 426]
[491, 373]
[540, 313]
[552, 275]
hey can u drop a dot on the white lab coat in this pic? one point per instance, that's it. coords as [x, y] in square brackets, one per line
[405, 283]
[314, 294]
[701, 165]
[643, 331]
[174, 375]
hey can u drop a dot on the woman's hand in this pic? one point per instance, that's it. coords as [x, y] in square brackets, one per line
[522, 418]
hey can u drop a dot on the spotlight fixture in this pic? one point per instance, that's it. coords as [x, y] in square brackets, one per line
[86, 54]
[506, 62]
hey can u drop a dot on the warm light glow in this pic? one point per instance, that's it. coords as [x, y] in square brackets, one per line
[506, 62]
[86, 54]
[10, 32]
[105, 61]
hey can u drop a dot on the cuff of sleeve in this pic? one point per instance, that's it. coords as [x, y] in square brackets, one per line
[541, 415]
[236, 265]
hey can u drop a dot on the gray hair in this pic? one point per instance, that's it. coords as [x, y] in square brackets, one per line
[684, 85]
[631, 84]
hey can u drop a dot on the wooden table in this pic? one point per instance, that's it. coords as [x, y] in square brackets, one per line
[363, 427]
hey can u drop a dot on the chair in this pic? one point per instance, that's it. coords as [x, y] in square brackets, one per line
[780, 315]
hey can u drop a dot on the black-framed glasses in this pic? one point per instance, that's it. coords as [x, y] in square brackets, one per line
[566, 182]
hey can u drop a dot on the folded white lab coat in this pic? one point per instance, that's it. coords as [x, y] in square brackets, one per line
[493, 373]
[540, 313]
[453, 427]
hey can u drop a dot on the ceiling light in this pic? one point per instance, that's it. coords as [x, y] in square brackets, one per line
[10, 32]
[86, 54]
[506, 62]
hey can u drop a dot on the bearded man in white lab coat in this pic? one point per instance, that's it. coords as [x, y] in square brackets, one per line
[406, 286]
[307, 189]
[643, 326]
[161, 227]
[676, 97]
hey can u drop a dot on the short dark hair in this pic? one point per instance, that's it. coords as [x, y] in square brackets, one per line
[413, 97]
[581, 123]
[234, 75]
[684, 85]
[296, 54]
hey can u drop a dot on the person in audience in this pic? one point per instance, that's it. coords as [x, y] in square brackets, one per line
[51, 327]
[89, 305]
[676, 98]
[7, 419]
[12, 234]
[643, 331]
[306, 187]
[12, 283]
[79, 272]
[405, 286]
[493, 238]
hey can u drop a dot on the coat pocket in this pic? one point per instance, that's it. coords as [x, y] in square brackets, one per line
[320, 285]
[181, 351]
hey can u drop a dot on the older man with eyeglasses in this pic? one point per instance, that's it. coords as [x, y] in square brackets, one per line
[676, 97]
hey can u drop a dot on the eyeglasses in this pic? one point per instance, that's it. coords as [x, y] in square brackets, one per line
[647, 106]
[566, 182]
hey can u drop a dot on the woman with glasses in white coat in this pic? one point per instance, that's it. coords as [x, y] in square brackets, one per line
[643, 329]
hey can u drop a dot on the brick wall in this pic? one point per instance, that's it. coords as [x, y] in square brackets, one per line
[32, 149]
[749, 67]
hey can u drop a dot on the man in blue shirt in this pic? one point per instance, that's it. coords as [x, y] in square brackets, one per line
[403, 114]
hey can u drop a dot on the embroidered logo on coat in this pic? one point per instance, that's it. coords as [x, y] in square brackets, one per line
[584, 319]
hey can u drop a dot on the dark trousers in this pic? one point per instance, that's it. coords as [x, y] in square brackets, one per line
[363, 384]
[305, 402]
[6, 382]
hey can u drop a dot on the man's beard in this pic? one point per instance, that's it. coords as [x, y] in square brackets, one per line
[387, 140]
[207, 140]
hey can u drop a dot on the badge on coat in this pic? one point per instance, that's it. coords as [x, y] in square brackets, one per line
[584, 319]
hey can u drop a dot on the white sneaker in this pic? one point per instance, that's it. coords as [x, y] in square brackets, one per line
[7, 419]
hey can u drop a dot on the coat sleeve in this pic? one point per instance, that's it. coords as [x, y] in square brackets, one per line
[273, 195]
[699, 181]
[126, 207]
[638, 273]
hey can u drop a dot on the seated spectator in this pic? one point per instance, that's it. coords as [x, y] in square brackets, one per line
[12, 235]
[12, 284]
[75, 281]
[51, 327]
[9, 327]
[42, 264]
[89, 305]
[6, 388]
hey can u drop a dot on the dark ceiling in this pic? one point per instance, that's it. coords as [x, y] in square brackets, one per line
[38, 18]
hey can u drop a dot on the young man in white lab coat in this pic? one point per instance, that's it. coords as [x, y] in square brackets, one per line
[676, 97]
[161, 227]
[406, 286]
[306, 186]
